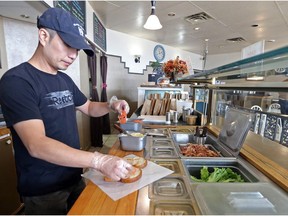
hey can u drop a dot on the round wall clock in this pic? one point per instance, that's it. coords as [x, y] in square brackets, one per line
[159, 53]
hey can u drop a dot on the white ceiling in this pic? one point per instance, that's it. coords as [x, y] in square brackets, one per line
[231, 19]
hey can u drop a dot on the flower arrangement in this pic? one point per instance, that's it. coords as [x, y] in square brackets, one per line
[177, 66]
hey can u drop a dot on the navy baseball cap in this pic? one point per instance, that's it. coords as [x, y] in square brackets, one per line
[67, 27]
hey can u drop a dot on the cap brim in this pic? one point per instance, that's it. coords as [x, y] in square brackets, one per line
[77, 42]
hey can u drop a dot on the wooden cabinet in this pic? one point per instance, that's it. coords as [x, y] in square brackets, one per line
[9, 198]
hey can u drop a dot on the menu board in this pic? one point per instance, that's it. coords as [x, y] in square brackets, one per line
[77, 8]
[99, 33]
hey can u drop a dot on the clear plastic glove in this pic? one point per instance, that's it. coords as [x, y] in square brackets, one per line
[118, 105]
[111, 166]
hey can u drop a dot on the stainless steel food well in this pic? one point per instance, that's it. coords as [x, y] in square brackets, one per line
[172, 164]
[193, 167]
[170, 187]
[163, 152]
[162, 142]
[171, 208]
[132, 143]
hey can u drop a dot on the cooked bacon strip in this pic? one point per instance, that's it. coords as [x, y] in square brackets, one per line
[197, 150]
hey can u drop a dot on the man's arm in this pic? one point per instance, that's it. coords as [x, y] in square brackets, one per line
[32, 134]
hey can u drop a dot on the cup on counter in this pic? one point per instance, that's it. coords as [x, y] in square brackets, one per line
[200, 140]
[191, 119]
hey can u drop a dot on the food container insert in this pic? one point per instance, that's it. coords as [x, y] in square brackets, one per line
[236, 199]
[172, 164]
[171, 208]
[193, 168]
[171, 188]
[132, 143]
[131, 126]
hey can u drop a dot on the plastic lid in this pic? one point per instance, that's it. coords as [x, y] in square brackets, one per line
[235, 128]
[237, 198]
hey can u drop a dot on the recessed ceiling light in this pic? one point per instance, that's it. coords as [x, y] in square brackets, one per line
[196, 28]
[25, 16]
[171, 14]
[255, 25]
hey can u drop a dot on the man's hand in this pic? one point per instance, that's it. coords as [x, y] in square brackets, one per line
[111, 166]
[119, 105]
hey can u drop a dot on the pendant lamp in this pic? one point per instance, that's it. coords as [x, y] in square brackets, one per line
[153, 22]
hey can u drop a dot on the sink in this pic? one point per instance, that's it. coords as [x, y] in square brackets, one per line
[193, 167]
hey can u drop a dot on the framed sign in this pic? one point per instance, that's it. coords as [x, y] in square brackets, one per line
[99, 33]
[77, 8]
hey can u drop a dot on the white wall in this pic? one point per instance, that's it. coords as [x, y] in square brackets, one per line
[127, 46]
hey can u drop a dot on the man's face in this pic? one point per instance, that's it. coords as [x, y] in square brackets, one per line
[58, 54]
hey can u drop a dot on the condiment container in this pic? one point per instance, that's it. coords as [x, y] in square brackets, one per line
[131, 142]
[191, 119]
[131, 126]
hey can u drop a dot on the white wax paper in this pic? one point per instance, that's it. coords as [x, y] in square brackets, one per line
[116, 190]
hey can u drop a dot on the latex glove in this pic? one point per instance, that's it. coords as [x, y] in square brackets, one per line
[111, 166]
[118, 105]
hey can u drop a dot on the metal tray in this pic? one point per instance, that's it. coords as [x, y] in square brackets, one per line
[163, 152]
[172, 164]
[193, 167]
[171, 208]
[170, 187]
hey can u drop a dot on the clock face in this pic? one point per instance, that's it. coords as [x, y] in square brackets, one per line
[159, 53]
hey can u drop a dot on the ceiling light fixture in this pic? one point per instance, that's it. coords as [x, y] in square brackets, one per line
[153, 22]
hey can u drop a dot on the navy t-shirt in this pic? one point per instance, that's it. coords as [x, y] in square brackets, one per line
[27, 93]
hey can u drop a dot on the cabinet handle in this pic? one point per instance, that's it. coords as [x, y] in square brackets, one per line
[9, 141]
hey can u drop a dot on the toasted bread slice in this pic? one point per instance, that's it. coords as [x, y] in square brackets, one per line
[134, 175]
[138, 162]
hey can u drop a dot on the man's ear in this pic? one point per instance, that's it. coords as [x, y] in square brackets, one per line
[44, 36]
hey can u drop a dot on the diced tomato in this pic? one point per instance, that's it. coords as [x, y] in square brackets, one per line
[122, 117]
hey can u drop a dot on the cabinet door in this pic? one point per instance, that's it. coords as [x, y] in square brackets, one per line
[9, 197]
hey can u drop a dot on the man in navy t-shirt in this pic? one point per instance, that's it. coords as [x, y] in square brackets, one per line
[39, 104]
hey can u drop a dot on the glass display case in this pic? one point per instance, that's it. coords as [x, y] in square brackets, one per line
[258, 85]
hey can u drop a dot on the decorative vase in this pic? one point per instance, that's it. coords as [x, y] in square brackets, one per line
[177, 75]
